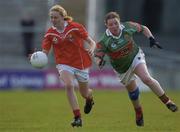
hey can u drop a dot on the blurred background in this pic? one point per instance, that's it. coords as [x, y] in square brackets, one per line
[23, 24]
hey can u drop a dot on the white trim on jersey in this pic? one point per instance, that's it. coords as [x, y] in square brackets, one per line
[52, 34]
[73, 29]
[64, 36]
[108, 32]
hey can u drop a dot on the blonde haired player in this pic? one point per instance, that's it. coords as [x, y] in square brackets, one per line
[73, 61]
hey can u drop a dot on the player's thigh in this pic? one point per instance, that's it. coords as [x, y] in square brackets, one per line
[67, 77]
[141, 71]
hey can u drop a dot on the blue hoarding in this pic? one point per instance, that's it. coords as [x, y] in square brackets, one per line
[22, 78]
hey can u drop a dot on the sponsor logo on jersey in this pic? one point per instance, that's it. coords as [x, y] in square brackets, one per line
[55, 40]
[70, 37]
[113, 45]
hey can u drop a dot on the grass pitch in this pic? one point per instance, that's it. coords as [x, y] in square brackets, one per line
[49, 111]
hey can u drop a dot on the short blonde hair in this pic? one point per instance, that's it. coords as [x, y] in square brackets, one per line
[61, 11]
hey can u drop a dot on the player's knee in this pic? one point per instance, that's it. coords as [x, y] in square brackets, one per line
[134, 95]
[69, 86]
[147, 80]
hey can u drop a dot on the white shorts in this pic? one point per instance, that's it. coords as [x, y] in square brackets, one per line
[129, 75]
[80, 75]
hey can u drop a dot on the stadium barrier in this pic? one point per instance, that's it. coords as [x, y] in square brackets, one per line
[49, 79]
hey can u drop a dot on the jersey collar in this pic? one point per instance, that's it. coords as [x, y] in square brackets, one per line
[108, 33]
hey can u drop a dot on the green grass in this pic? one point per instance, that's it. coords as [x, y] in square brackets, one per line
[48, 111]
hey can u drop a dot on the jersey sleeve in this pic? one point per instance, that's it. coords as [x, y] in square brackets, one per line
[82, 32]
[46, 43]
[136, 26]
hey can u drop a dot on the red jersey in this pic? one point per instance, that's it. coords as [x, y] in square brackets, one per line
[68, 46]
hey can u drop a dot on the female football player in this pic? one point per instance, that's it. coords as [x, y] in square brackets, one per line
[73, 58]
[127, 59]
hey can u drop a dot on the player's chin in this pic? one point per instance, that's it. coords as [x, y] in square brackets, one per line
[54, 24]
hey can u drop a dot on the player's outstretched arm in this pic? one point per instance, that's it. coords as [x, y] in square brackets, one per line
[92, 45]
[152, 40]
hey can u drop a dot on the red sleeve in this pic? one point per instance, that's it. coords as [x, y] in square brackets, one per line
[82, 32]
[46, 43]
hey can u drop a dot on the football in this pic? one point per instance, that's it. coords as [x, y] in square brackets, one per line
[39, 59]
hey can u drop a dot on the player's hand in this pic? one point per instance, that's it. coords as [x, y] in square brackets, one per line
[90, 51]
[154, 43]
[29, 55]
[100, 62]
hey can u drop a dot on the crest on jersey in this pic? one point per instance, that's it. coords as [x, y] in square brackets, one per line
[55, 40]
[70, 37]
[113, 45]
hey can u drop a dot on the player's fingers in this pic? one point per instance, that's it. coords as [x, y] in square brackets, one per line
[29, 56]
[158, 46]
[90, 52]
[35, 49]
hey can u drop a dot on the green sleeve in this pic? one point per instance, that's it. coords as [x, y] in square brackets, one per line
[134, 27]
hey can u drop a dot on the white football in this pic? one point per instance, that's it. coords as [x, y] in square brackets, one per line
[39, 59]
